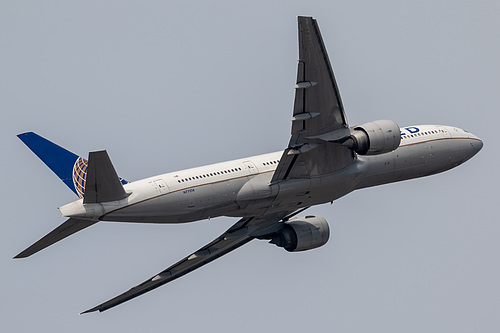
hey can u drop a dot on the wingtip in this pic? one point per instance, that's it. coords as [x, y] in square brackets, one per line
[88, 311]
[26, 253]
[21, 255]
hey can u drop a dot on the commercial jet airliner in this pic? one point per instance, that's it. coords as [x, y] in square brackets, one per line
[325, 160]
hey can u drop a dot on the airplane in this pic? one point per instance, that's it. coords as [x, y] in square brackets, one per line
[325, 160]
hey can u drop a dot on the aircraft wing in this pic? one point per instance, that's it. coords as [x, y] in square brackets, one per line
[319, 124]
[239, 234]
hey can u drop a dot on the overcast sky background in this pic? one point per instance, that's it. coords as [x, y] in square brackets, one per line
[168, 85]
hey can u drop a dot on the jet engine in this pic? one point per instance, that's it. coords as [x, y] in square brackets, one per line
[374, 138]
[302, 233]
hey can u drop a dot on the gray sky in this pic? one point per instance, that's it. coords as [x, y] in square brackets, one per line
[165, 86]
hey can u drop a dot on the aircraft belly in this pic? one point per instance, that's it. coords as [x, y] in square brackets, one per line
[225, 198]
[183, 205]
[148, 210]
[298, 193]
[415, 160]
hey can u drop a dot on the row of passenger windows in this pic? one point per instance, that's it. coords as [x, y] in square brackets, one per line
[420, 134]
[271, 162]
[207, 175]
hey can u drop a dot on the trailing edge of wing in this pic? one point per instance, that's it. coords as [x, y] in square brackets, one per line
[64, 230]
[203, 256]
[238, 235]
[102, 183]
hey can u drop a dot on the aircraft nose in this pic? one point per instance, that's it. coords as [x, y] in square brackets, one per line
[479, 145]
[476, 143]
[465, 149]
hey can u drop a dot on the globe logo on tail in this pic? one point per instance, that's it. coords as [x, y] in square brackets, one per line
[80, 175]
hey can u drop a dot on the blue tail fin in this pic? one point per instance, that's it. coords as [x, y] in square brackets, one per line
[70, 168]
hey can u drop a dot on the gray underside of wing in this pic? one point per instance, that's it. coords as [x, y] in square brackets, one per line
[319, 124]
[66, 229]
[238, 235]
[203, 256]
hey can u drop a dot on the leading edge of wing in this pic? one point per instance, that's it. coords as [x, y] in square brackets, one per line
[319, 123]
[238, 235]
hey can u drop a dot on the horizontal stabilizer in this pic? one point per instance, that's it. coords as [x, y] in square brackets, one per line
[102, 183]
[64, 230]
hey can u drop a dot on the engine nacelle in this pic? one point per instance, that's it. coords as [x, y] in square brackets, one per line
[302, 233]
[374, 138]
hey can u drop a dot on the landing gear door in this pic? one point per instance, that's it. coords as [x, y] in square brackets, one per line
[251, 167]
[161, 186]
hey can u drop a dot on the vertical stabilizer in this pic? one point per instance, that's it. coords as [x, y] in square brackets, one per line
[69, 167]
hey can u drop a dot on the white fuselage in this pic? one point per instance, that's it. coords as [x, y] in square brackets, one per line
[242, 187]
